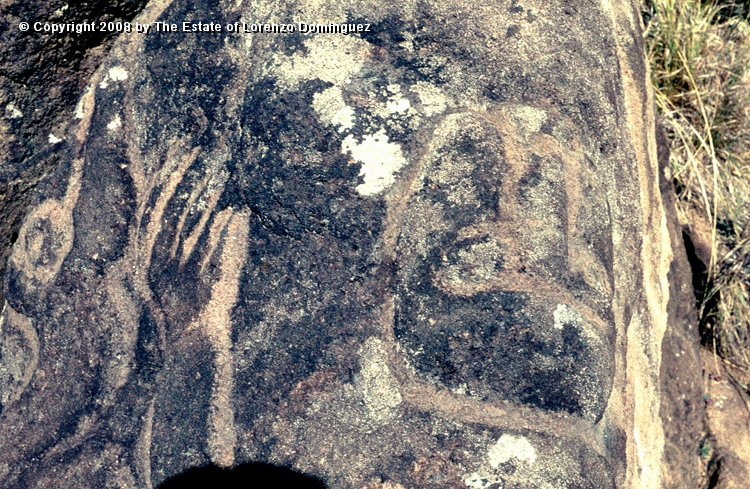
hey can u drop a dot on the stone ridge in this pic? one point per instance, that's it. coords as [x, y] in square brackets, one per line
[431, 255]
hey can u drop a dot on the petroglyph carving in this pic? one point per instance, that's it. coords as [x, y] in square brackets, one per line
[19, 352]
[510, 246]
[47, 238]
[404, 259]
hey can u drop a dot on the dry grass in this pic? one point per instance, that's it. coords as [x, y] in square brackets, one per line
[700, 59]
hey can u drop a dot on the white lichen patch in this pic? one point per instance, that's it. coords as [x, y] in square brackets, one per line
[54, 139]
[476, 481]
[511, 447]
[484, 257]
[380, 160]
[78, 112]
[59, 12]
[408, 42]
[336, 60]
[332, 59]
[529, 119]
[432, 98]
[344, 118]
[13, 111]
[377, 384]
[330, 106]
[117, 73]
[396, 102]
[398, 105]
[114, 123]
[507, 448]
[461, 389]
[564, 314]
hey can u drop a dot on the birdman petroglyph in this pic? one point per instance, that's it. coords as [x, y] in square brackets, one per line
[504, 231]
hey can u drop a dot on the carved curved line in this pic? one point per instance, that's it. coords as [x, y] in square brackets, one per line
[197, 189]
[215, 322]
[142, 453]
[508, 415]
[188, 245]
[430, 398]
[60, 215]
[23, 324]
[173, 176]
[215, 233]
[511, 282]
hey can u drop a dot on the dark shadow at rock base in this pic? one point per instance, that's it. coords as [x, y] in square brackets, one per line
[245, 476]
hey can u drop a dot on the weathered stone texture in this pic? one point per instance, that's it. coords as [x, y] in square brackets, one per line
[432, 255]
[41, 78]
[681, 386]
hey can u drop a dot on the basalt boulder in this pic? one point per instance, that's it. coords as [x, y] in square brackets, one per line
[42, 74]
[438, 251]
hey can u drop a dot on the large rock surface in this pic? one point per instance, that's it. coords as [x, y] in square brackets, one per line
[41, 78]
[436, 254]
